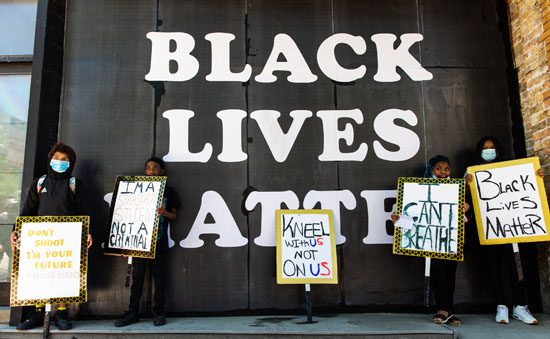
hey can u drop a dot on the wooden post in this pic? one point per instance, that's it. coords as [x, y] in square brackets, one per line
[46, 328]
[517, 256]
[128, 272]
[427, 282]
[308, 304]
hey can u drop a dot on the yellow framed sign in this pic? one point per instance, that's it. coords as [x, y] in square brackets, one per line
[431, 218]
[50, 262]
[306, 248]
[133, 221]
[509, 202]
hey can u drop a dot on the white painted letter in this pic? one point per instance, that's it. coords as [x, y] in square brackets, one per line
[230, 236]
[332, 136]
[295, 62]
[221, 59]
[378, 216]
[327, 59]
[331, 200]
[407, 140]
[188, 66]
[232, 150]
[279, 143]
[389, 58]
[270, 201]
[178, 149]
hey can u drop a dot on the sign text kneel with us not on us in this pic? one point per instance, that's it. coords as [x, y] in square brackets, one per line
[306, 248]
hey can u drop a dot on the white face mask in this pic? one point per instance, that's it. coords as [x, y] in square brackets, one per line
[489, 154]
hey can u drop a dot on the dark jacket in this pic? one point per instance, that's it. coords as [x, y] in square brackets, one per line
[56, 196]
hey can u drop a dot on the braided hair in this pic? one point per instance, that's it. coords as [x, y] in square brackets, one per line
[431, 163]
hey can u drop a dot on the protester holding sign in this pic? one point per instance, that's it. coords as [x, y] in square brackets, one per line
[442, 272]
[501, 262]
[56, 193]
[167, 212]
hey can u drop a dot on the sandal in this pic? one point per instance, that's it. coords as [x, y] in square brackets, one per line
[454, 320]
[441, 318]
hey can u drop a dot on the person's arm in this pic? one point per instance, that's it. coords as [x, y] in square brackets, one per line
[32, 201]
[30, 208]
[170, 211]
[170, 215]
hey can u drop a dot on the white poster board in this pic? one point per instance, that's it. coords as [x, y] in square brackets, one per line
[433, 224]
[50, 261]
[509, 202]
[134, 220]
[306, 249]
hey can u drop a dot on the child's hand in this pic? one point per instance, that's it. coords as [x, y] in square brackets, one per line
[90, 241]
[394, 217]
[14, 240]
[466, 207]
[540, 172]
[161, 211]
[469, 178]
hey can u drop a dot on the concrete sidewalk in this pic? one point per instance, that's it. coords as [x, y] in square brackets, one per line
[364, 325]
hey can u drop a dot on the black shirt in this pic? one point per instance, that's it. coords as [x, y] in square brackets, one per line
[170, 201]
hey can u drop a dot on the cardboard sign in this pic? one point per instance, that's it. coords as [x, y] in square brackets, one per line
[435, 207]
[509, 202]
[306, 250]
[133, 224]
[50, 263]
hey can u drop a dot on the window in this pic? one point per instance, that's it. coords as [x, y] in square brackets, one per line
[17, 25]
[14, 103]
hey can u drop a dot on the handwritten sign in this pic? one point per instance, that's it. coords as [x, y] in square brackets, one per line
[134, 221]
[510, 202]
[436, 209]
[50, 264]
[306, 249]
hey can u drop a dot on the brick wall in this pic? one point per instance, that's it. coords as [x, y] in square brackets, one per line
[530, 30]
[530, 34]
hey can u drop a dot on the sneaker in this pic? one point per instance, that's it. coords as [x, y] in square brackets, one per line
[502, 315]
[127, 319]
[522, 313]
[35, 319]
[62, 320]
[159, 320]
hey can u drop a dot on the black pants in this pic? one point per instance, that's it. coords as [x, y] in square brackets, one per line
[503, 275]
[442, 278]
[159, 276]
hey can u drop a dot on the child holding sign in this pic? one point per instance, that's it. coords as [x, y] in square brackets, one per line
[167, 213]
[56, 193]
[442, 272]
[501, 262]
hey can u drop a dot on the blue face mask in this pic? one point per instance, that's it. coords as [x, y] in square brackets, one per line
[489, 154]
[60, 166]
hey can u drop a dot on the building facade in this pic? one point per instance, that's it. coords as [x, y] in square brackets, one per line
[240, 142]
